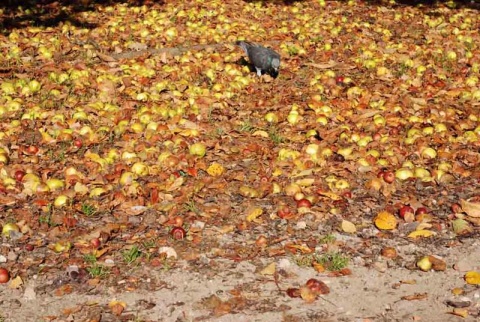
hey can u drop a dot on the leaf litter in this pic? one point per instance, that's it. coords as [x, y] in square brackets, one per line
[133, 151]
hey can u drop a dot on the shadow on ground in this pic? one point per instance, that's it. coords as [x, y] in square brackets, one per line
[49, 13]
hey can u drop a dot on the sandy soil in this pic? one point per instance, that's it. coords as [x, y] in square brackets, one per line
[224, 290]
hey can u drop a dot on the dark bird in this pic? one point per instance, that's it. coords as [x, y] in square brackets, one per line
[262, 58]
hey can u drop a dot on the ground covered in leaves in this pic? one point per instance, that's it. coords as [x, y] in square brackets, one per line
[148, 174]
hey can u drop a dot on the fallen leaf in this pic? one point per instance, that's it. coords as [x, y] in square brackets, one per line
[458, 304]
[472, 209]
[385, 221]
[106, 58]
[460, 312]
[215, 169]
[472, 278]
[117, 307]
[303, 249]
[306, 182]
[474, 220]
[16, 282]
[63, 290]
[318, 267]
[100, 252]
[437, 263]
[421, 233]
[253, 213]
[348, 227]
[269, 270]
[261, 133]
[416, 296]
[222, 309]
[176, 184]
[71, 310]
[168, 251]
[330, 195]
[458, 291]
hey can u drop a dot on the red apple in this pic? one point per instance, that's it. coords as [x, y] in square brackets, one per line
[405, 210]
[284, 212]
[32, 149]
[178, 233]
[78, 143]
[95, 242]
[19, 174]
[4, 275]
[456, 208]
[293, 292]
[388, 176]
[304, 203]
[421, 211]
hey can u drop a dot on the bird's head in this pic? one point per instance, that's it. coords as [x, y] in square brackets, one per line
[275, 64]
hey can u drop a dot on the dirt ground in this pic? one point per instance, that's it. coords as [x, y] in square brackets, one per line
[225, 290]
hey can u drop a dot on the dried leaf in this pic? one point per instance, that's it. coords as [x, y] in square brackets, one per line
[437, 263]
[261, 133]
[117, 307]
[330, 195]
[16, 282]
[302, 248]
[63, 290]
[215, 169]
[458, 291]
[249, 192]
[71, 310]
[461, 227]
[416, 296]
[168, 251]
[253, 213]
[306, 182]
[472, 209]
[318, 267]
[100, 252]
[269, 270]
[106, 58]
[421, 233]
[348, 227]
[472, 278]
[460, 312]
[176, 184]
[385, 221]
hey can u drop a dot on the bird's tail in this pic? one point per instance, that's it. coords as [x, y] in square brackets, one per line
[245, 45]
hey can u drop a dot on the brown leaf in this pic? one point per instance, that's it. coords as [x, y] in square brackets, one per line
[106, 58]
[472, 209]
[16, 282]
[63, 290]
[71, 310]
[437, 263]
[416, 296]
[117, 309]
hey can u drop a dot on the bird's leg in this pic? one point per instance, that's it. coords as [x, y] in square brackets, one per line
[259, 71]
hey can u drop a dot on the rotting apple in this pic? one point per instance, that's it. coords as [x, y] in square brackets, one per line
[304, 203]
[4, 275]
[406, 209]
[178, 233]
[388, 176]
